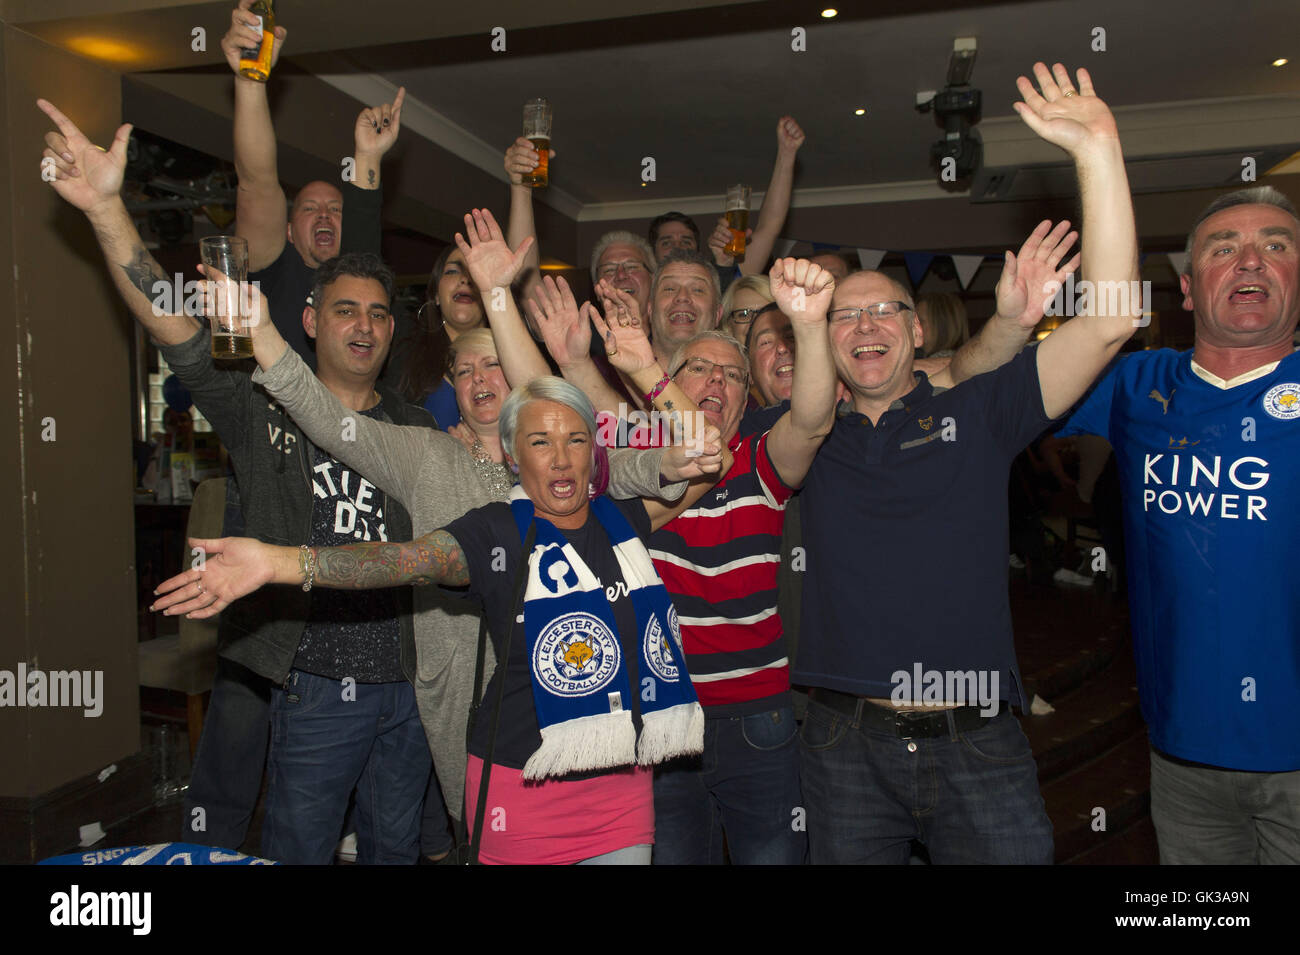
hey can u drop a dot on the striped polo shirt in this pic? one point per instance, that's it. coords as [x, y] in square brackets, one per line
[719, 561]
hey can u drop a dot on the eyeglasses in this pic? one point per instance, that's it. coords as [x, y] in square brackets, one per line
[745, 316]
[839, 316]
[702, 367]
[611, 269]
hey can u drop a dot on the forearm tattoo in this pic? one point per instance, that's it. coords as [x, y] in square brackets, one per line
[372, 178]
[432, 559]
[143, 271]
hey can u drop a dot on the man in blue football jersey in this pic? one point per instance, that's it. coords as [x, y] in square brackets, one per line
[1204, 441]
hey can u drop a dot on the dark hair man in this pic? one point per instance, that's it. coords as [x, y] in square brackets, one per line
[343, 708]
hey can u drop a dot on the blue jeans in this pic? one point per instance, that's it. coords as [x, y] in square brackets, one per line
[969, 797]
[324, 743]
[227, 775]
[746, 784]
[1209, 816]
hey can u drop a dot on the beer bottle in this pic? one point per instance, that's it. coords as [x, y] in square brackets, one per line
[256, 64]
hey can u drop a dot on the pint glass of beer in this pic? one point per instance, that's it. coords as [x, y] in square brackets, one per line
[737, 212]
[537, 130]
[231, 323]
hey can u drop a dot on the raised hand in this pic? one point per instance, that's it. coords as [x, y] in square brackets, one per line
[84, 174]
[626, 344]
[377, 126]
[490, 262]
[246, 34]
[1026, 284]
[718, 240]
[564, 328]
[802, 290]
[1071, 119]
[521, 159]
[789, 137]
[232, 567]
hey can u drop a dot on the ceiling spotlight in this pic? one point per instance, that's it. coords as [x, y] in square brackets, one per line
[1280, 61]
[829, 12]
[859, 112]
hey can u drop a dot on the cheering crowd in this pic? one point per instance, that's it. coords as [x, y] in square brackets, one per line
[597, 661]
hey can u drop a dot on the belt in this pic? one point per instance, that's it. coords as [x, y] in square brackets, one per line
[903, 724]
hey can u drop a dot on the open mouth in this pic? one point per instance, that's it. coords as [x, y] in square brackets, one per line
[681, 318]
[712, 403]
[482, 397]
[1248, 294]
[361, 347]
[784, 371]
[870, 352]
[323, 237]
[563, 489]
[463, 298]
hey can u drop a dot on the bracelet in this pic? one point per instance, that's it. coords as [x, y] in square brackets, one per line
[307, 564]
[657, 390]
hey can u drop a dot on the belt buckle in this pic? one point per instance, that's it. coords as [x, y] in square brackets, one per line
[902, 725]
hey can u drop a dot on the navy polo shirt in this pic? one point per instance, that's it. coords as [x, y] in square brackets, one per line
[906, 541]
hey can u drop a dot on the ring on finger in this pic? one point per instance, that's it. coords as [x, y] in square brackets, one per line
[1068, 93]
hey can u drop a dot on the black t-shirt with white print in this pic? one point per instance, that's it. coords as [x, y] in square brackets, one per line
[350, 633]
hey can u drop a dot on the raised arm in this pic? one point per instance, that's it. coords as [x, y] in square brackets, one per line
[1072, 357]
[521, 158]
[1021, 302]
[776, 201]
[566, 331]
[234, 567]
[261, 216]
[90, 179]
[493, 266]
[389, 455]
[803, 292]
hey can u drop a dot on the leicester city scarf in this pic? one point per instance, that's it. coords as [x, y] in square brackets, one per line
[581, 687]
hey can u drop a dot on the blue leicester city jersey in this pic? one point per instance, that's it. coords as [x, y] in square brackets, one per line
[1212, 539]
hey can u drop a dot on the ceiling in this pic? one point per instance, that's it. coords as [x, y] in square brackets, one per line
[699, 87]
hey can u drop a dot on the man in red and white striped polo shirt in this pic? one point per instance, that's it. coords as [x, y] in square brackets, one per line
[719, 561]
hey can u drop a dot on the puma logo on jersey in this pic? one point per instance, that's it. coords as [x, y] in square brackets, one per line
[1164, 402]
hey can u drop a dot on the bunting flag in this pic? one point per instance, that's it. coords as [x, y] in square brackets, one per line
[918, 263]
[870, 259]
[1178, 260]
[967, 266]
[783, 247]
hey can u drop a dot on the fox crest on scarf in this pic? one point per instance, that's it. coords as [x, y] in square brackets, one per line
[580, 678]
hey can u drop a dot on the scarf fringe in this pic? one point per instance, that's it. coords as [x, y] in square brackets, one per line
[666, 734]
[602, 741]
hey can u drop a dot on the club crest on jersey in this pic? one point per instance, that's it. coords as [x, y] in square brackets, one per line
[926, 423]
[657, 653]
[1283, 401]
[576, 655]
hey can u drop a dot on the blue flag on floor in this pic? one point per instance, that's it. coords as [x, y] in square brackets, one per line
[165, 853]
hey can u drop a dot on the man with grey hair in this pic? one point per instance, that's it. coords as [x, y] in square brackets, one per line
[627, 262]
[685, 299]
[1199, 437]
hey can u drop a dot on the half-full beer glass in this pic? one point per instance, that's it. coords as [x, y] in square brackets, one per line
[737, 213]
[537, 130]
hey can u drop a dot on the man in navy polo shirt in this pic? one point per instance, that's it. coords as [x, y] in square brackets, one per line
[907, 646]
[1205, 441]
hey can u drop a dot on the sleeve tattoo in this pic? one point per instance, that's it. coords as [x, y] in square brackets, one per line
[432, 559]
